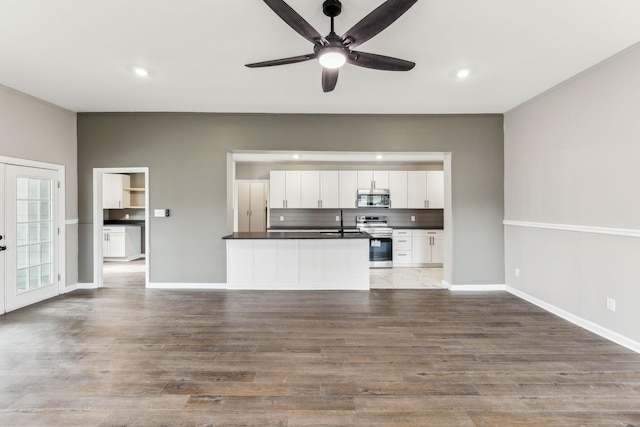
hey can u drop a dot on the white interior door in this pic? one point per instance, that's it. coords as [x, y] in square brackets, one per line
[258, 207]
[30, 227]
[243, 211]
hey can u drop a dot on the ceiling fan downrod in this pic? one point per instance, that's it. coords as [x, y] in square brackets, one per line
[332, 8]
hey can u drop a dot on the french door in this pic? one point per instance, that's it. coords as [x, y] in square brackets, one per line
[29, 244]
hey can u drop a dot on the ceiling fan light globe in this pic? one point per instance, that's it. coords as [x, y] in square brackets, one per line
[332, 59]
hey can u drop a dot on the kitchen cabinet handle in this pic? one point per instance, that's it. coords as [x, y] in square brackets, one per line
[427, 203]
[401, 254]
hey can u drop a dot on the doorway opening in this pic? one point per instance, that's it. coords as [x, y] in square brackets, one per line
[411, 177]
[121, 227]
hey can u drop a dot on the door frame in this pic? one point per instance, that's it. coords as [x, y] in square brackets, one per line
[61, 222]
[235, 199]
[98, 221]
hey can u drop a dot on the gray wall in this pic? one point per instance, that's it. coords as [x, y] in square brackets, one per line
[32, 129]
[572, 157]
[187, 157]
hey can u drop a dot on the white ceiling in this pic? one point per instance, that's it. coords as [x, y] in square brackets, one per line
[78, 54]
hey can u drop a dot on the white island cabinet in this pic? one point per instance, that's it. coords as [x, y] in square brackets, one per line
[297, 261]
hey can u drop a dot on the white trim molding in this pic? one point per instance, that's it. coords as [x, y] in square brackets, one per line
[72, 221]
[187, 286]
[625, 232]
[87, 286]
[579, 321]
[71, 288]
[477, 288]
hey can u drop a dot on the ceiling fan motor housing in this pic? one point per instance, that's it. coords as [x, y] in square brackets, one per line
[332, 8]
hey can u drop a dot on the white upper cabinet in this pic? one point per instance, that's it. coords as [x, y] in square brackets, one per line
[319, 189]
[277, 189]
[435, 189]
[373, 179]
[417, 189]
[114, 195]
[285, 189]
[381, 179]
[294, 189]
[398, 192]
[310, 197]
[348, 188]
[329, 189]
[338, 189]
[425, 189]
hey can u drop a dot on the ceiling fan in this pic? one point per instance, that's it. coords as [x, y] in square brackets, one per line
[333, 51]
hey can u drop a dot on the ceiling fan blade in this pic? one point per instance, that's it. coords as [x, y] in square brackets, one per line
[294, 20]
[283, 61]
[329, 79]
[379, 62]
[376, 21]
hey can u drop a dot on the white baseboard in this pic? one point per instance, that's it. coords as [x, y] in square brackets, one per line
[476, 288]
[87, 286]
[583, 323]
[187, 286]
[446, 284]
[70, 288]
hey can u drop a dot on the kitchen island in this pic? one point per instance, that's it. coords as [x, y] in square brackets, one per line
[298, 260]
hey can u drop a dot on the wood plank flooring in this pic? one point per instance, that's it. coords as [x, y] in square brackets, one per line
[126, 356]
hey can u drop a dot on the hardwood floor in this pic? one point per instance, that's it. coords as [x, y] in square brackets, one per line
[126, 356]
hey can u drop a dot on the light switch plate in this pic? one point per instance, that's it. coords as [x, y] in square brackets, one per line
[281, 218]
[161, 213]
[413, 218]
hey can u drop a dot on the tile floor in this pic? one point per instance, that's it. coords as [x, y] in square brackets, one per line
[132, 273]
[406, 278]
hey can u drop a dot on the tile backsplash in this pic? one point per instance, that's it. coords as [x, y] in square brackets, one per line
[326, 218]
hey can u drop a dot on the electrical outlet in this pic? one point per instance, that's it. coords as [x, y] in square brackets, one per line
[282, 218]
[337, 217]
[413, 218]
[517, 272]
[611, 304]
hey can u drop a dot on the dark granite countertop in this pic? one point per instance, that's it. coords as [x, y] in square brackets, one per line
[417, 228]
[124, 222]
[296, 235]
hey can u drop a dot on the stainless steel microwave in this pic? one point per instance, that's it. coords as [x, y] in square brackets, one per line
[373, 198]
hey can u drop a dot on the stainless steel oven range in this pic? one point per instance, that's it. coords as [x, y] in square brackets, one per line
[380, 243]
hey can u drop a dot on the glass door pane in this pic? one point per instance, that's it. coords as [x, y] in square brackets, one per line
[31, 218]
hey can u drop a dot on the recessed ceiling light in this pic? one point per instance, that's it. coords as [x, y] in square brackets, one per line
[379, 156]
[140, 72]
[462, 73]
[296, 156]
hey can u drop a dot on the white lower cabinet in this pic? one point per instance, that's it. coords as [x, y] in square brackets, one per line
[415, 248]
[298, 264]
[402, 241]
[121, 243]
